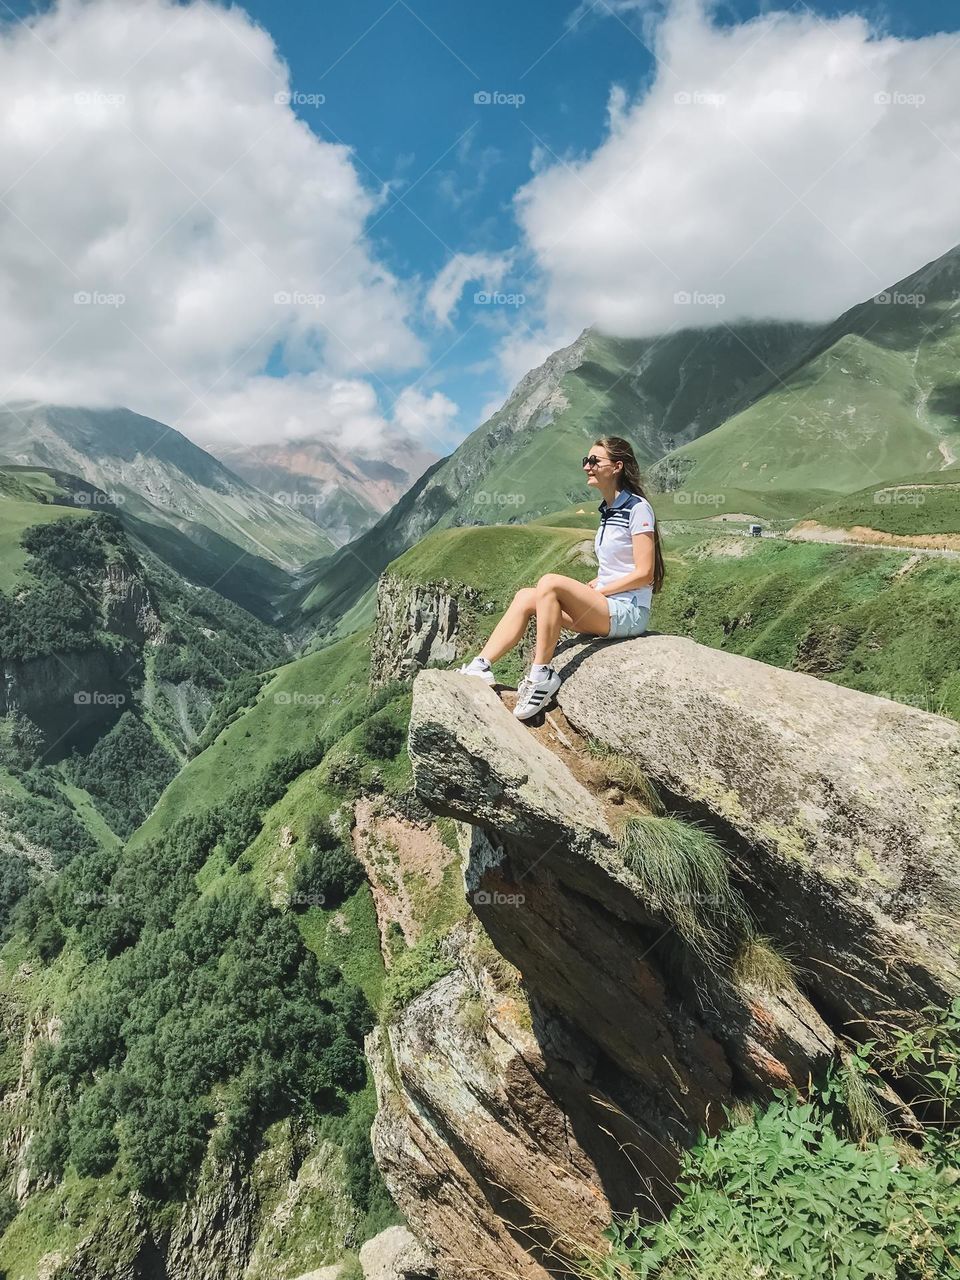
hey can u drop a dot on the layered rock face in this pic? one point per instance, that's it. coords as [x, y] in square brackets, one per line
[514, 1119]
[415, 625]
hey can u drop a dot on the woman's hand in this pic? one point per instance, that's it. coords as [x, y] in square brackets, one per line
[593, 583]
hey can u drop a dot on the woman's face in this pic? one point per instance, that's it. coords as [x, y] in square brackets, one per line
[602, 469]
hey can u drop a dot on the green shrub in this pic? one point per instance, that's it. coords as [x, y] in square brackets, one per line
[382, 738]
[811, 1189]
[15, 881]
[785, 1196]
[329, 873]
[413, 972]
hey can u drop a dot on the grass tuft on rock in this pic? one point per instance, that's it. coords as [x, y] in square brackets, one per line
[685, 875]
[758, 963]
[620, 771]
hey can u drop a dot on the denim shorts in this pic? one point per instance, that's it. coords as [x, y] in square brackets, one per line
[627, 617]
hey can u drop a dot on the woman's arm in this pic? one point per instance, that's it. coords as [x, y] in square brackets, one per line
[642, 576]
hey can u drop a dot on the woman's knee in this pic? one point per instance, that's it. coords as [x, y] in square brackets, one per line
[526, 599]
[548, 584]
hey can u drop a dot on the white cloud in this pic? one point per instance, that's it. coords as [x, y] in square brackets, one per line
[444, 293]
[346, 411]
[151, 162]
[427, 418]
[788, 167]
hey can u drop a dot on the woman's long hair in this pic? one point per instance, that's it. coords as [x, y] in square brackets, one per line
[621, 450]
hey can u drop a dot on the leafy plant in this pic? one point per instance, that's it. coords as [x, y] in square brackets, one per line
[329, 873]
[786, 1196]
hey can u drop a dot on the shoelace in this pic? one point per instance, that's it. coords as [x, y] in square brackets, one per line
[525, 688]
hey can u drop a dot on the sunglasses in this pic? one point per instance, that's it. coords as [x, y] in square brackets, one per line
[592, 461]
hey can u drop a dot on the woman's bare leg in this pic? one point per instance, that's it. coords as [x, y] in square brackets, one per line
[558, 599]
[509, 630]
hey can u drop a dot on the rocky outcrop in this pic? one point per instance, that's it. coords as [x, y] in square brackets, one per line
[67, 694]
[395, 1255]
[843, 808]
[632, 1045]
[838, 812]
[472, 1139]
[72, 694]
[416, 624]
[128, 610]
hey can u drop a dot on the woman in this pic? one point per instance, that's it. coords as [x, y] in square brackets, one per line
[615, 604]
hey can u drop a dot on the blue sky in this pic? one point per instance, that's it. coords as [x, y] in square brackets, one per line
[399, 82]
[751, 161]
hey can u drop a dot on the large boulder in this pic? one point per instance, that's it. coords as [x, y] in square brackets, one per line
[843, 808]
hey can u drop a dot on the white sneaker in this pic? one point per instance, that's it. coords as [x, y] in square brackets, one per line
[533, 695]
[483, 673]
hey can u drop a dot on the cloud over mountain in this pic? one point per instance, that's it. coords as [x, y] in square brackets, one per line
[171, 229]
[783, 167]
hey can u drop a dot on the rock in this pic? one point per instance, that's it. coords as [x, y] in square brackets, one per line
[128, 609]
[395, 1255]
[483, 1160]
[844, 808]
[415, 624]
[636, 1048]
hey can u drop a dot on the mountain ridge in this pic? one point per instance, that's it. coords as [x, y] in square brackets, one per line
[158, 475]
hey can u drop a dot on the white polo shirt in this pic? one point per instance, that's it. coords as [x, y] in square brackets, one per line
[626, 515]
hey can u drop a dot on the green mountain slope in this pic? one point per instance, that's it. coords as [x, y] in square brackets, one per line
[158, 476]
[524, 461]
[883, 621]
[926, 503]
[112, 664]
[876, 397]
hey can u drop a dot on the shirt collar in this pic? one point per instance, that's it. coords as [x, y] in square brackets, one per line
[618, 501]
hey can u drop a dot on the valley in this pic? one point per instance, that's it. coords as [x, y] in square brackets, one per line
[315, 961]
